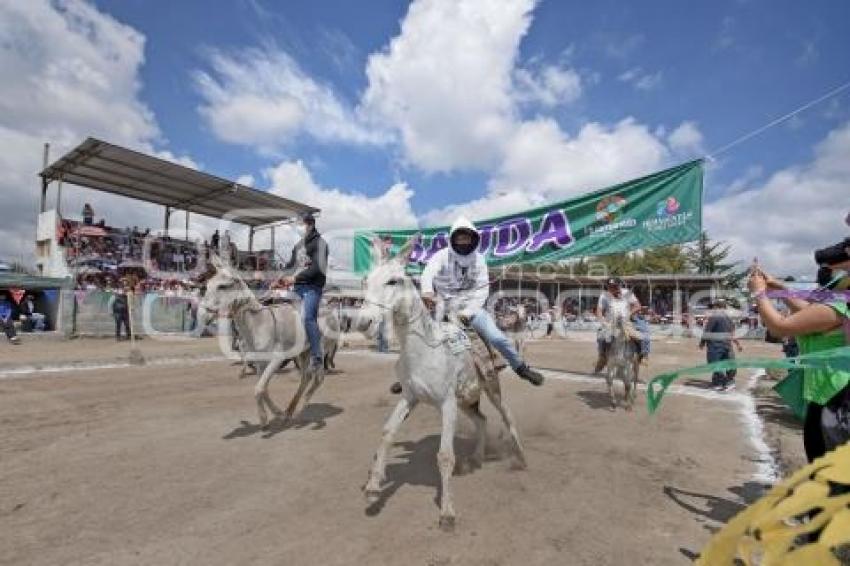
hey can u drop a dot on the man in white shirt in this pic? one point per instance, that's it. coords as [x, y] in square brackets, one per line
[619, 300]
[458, 275]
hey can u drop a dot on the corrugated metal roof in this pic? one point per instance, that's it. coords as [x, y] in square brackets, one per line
[102, 166]
[31, 282]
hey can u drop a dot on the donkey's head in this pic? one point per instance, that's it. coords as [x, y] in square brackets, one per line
[388, 288]
[225, 289]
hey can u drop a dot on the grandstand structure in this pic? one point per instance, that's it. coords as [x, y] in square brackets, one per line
[109, 168]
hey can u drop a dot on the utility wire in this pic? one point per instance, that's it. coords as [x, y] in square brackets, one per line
[713, 154]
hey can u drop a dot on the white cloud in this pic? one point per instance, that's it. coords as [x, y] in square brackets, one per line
[262, 98]
[549, 86]
[445, 82]
[247, 179]
[640, 79]
[542, 157]
[71, 72]
[686, 139]
[342, 211]
[795, 211]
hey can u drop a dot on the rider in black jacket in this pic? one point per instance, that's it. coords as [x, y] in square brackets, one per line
[309, 261]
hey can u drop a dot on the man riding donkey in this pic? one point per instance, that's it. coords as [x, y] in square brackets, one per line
[458, 275]
[309, 261]
[613, 298]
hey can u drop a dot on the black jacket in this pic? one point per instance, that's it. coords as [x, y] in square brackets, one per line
[119, 305]
[309, 260]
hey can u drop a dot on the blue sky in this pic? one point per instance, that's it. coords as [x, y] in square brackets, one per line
[730, 66]
[390, 113]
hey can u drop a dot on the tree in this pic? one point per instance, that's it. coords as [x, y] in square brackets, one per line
[708, 258]
[663, 259]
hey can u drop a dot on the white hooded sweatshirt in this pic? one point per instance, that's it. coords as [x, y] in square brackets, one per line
[461, 281]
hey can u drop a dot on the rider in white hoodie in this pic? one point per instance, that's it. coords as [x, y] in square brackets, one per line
[458, 275]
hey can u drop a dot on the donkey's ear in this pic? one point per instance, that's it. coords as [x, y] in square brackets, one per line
[403, 255]
[378, 254]
[216, 261]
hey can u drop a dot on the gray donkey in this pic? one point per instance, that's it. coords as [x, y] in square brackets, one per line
[440, 366]
[268, 334]
[622, 357]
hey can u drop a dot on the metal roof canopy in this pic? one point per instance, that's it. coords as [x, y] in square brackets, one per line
[102, 166]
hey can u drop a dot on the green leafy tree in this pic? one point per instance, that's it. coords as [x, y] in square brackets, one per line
[710, 258]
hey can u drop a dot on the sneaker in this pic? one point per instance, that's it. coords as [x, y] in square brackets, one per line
[395, 388]
[728, 387]
[530, 375]
[15, 340]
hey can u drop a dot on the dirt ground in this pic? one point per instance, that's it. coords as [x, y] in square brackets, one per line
[163, 464]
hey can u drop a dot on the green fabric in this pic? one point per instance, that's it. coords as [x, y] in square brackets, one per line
[791, 391]
[656, 210]
[821, 384]
[834, 360]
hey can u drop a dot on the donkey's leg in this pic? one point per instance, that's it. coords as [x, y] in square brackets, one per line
[302, 362]
[609, 379]
[376, 474]
[494, 393]
[275, 365]
[446, 462]
[474, 412]
[317, 377]
[626, 375]
[261, 392]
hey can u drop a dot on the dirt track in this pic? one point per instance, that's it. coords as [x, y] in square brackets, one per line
[161, 465]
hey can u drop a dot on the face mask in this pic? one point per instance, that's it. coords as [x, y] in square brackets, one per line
[834, 279]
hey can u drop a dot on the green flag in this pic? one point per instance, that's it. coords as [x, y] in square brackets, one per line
[656, 210]
[834, 359]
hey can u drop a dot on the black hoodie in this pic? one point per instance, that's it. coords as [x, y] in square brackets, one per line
[310, 260]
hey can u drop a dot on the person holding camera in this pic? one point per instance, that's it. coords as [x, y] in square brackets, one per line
[817, 325]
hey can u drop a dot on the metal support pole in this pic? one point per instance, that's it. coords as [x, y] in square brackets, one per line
[187, 225]
[167, 218]
[251, 239]
[272, 238]
[45, 160]
[59, 198]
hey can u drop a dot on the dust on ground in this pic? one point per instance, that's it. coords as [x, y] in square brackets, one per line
[165, 465]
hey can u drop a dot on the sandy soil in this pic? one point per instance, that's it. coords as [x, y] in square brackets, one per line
[163, 465]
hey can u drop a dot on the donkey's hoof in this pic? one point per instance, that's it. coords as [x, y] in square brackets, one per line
[372, 495]
[447, 523]
[519, 464]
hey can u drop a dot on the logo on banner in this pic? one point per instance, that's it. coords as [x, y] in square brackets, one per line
[668, 214]
[610, 217]
[610, 208]
[667, 207]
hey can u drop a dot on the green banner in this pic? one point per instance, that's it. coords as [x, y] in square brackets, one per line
[836, 359]
[656, 210]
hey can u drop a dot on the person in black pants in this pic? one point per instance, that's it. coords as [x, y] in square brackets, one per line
[121, 313]
[717, 337]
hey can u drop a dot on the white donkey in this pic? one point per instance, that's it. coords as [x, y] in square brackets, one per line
[269, 334]
[434, 367]
[622, 357]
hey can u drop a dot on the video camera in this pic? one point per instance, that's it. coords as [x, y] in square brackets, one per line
[834, 254]
[829, 256]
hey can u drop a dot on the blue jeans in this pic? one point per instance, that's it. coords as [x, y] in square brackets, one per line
[311, 295]
[642, 326]
[382, 337]
[486, 327]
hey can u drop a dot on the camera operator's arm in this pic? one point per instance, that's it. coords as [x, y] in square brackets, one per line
[793, 303]
[812, 318]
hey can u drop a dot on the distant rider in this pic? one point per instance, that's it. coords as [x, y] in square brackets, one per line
[613, 298]
[309, 260]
